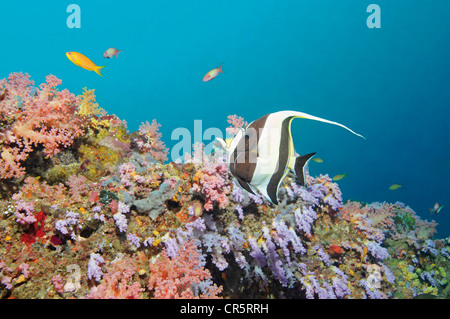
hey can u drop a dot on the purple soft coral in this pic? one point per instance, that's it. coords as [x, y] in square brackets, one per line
[94, 270]
[275, 264]
[377, 251]
[304, 219]
[121, 221]
[24, 213]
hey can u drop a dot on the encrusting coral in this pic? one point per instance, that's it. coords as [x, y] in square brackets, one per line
[97, 213]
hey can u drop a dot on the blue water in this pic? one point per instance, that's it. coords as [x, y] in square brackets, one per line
[390, 84]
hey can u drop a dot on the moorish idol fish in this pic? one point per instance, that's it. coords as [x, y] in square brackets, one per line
[260, 156]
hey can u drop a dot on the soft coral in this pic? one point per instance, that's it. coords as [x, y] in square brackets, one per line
[174, 278]
[36, 229]
[35, 117]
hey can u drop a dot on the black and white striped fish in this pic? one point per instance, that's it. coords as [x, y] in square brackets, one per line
[261, 155]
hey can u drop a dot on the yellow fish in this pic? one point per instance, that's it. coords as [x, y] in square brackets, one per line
[393, 187]
[317, 160]
[84, 62]
[364, 253]
[339, 177]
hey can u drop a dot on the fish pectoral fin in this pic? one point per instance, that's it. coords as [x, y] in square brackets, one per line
[299, 166]
[244, 185]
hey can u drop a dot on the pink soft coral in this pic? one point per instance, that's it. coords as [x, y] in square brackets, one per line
[118, 282]
[211, 178]
[34, 117]
[236, 123]
[212, 181]
[175, 278]
[150, 141]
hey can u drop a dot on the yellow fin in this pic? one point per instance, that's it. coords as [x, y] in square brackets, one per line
[97, 70]
[228, 142]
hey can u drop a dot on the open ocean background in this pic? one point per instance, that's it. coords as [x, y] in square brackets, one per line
[390, 84]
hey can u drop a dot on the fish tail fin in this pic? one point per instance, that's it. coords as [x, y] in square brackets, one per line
[115, 54]
[315, 118]
[97, 70]
[300, 165]
[220, 68]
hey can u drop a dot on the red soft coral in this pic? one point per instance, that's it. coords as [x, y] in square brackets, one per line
[35, 230]
[175, 278]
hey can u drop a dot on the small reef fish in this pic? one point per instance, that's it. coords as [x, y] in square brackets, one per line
[3, 95]
[261, 156]
[393, 187]
[197, 210]
[317, 160]
[84, 62]
[364, 253]
[212, 74]
[339, 177]
[436, 209]
[334, 250]
[110, 52]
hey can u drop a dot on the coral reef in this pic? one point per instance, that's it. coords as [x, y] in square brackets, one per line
[89, 210]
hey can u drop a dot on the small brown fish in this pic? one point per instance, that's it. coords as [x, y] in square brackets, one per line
[3, 95]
